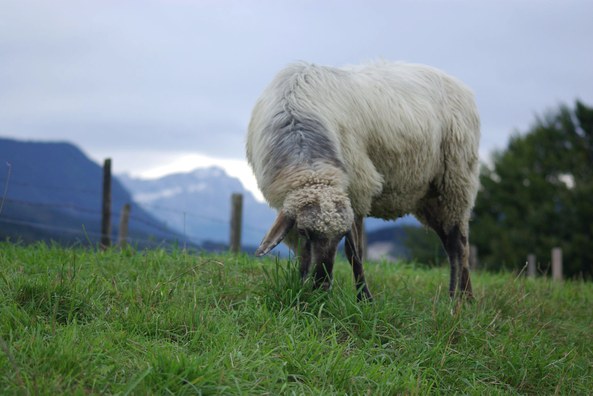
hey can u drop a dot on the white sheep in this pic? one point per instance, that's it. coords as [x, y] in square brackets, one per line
[330, 146]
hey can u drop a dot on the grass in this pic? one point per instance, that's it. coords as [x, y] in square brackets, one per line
[75, 321]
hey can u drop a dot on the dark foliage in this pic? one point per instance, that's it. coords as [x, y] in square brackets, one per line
[537, 194]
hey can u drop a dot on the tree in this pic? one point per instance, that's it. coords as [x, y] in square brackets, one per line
[538, 194]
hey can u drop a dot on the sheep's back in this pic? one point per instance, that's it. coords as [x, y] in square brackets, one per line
[391, 123]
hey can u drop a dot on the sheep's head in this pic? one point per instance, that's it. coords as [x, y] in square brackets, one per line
[321, 215]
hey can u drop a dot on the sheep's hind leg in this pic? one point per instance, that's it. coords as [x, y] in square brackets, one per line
[354, 253]
[457, 248]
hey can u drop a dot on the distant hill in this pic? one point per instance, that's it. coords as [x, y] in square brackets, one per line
[388, 242]
[53, 192]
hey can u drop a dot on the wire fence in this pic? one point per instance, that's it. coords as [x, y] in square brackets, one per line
[163, 216]
[183, 217]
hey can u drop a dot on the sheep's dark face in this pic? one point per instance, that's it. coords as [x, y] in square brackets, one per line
[310, 244]
[320, 233]
[317, 212]
[322, 254]
[314, 230]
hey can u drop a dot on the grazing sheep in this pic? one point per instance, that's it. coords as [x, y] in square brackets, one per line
[331, 146]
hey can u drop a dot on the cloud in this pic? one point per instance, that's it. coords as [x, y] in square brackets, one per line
[182, 76]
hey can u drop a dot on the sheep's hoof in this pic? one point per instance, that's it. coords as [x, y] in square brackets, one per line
[325, 285]
[465, 295]
[364, 295]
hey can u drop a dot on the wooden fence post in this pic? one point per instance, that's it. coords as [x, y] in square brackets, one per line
[365, 242]
[106, 210]
[531, 271]
[123, 226]
[184, 231]
[236, 220]
[473, 257]
[557, 264]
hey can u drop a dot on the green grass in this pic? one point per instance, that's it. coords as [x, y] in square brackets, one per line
[74, 321]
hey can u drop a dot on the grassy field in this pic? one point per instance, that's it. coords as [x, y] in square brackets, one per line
[75, 321]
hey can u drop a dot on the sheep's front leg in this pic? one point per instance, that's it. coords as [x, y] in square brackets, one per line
[354, 253]
[466, 283]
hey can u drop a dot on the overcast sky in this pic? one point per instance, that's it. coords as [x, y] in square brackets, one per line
[163, 86]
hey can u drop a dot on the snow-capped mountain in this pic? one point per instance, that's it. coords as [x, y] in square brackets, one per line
[198, 204]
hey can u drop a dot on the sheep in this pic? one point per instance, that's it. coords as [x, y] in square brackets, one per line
[331, 146]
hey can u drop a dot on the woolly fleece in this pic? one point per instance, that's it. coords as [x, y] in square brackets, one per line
[319, 208]
[405, 139]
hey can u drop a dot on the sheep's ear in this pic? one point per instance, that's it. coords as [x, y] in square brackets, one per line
[282, 225]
